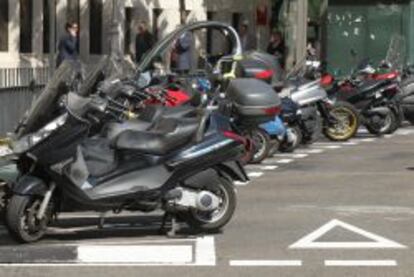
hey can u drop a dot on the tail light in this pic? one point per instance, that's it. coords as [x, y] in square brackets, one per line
[264, 75]
[273, 110]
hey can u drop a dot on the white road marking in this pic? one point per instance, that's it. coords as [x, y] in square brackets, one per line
[277, 161]
[241, 184]
[368, 139]
[205, 251]
[265, 263]
[352, 142]
[331, 146]
[362, 131]
[261, 167]
[146, 254]
[197, 252]
[292, 156]
[309, 151]
[389, 136]
[360, 263]
[255, 174]
[309, 241]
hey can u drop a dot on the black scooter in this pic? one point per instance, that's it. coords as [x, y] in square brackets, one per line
[185, 167]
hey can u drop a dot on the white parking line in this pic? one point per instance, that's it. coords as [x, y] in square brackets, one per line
[277, 161]
[352, 142]
[261, 167]
[360, 263]
[241, 184]
[265, 263]
[368, 139]
[330, 146]
[310, 151]
[146, 254]
[255, 174]
[292, 156]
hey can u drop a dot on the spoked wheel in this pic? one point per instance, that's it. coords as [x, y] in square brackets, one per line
[388, 123]
[261, 145]
[21, 218]
[288, 147]
[215, 220]
[346, 122]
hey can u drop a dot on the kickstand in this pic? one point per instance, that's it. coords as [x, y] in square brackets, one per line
[174, 225]
[101, 220]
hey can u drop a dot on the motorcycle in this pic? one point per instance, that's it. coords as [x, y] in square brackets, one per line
[377, 96]
[337, 120]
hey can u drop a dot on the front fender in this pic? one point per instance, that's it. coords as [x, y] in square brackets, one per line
[30, 185]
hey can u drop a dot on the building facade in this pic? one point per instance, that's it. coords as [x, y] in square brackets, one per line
[25, 25]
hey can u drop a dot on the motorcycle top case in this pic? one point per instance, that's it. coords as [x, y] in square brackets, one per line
[254, 102]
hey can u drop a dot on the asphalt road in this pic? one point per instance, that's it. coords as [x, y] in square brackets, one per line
[333, 209]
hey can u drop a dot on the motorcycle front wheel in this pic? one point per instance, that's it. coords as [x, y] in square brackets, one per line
[389, 125]
[214, 221]
[21, 220]
[346, 122]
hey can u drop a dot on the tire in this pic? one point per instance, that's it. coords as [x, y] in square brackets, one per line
[286, 147]
[198, 221]
[16, 212]
[262, 145]
[348, 117]
[396, 124]
[274, 147]
[391, 122]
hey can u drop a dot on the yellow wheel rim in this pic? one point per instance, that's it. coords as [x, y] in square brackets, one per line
[346, 126]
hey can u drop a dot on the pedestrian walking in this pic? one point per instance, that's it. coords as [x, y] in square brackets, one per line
[144, 41]
[276, 47]
[182, 54]
[68, 44]
[248, 40]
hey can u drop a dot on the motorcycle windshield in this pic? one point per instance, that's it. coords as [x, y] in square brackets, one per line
[396, 54]
[166, 43]
[44, 106]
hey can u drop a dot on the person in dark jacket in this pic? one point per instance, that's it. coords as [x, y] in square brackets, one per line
[144, 41]
[68, 44]
[277, 47]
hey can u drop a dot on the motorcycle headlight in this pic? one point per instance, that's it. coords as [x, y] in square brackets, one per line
[25, 143]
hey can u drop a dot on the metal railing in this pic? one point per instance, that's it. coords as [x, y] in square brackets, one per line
[23, 76]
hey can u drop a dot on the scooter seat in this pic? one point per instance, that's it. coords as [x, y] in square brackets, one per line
[149, 119]
[169, 135]
[370, 85]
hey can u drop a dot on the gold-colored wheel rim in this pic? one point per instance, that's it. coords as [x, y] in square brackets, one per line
[345, 126]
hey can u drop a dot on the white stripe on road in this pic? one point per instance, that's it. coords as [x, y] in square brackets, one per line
[309, 151]
[255, 174]
[265, 263]
[277, 161]
[368, 139]
[330, 146]
[241, 184]
[360, 263]
[261, 167]
[336, 143]
[205, 251]
[292, 156]
[162, 254]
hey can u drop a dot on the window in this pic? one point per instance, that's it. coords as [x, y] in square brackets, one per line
[26, 19]
[4, 25]
[46, 26]
[95, 26]
[73, 11]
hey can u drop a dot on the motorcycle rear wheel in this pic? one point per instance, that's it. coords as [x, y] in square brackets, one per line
[347, 122]
[389, 123]
[261, 145]
[214, 221]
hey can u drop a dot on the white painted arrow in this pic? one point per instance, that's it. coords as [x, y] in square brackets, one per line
[309, 241]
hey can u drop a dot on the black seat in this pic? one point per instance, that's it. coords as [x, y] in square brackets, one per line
[370, 85]
[169, 135]
[149, 119]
